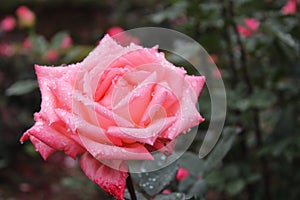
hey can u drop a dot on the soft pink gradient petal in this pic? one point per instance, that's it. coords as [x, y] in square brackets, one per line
[56, 88]
[197, 83]
[111, 152]
[144, 135]
[41, 147]
[110, 180]
[55, 137]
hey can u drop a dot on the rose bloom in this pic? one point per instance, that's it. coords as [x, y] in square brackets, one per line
[26, 16]
[118, 104]
[8, 23]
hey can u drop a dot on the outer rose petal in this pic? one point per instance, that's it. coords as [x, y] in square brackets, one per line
[56, 139]
[110, 180]
[56, 85]
[197, 83]
[41, 147]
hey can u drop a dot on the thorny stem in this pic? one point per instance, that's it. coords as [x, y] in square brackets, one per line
[258, 134]
[130, 187]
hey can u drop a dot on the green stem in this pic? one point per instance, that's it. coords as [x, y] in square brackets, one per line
[130, 187]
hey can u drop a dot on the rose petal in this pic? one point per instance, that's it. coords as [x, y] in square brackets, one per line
[41, 147]
[55, 138]
[145, 135]
[55, 92]
[111, 152]
[197, 83]
[110, 180]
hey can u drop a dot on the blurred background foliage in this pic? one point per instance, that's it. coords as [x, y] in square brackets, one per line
[255, 44]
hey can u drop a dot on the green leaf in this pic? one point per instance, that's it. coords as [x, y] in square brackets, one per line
[198, 166]
[262, 99]
[76, 54]
[185, 184]
[139, 195]
[222, 147]
[39, 44]
[234, 187]
[57, 40]
[21, 87]
[154, 182]
[170, 13]
[173, 196]
[199, 188]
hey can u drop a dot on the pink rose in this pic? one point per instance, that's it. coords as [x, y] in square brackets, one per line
[26, 16]
[182, 173]
[118, 104]
[251, 27]
[8, 23]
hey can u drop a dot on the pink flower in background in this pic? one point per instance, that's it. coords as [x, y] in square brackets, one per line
[6, 49]
[252, 24]
[166, 191]
[26, 16]
[8, 23]
[251, 27]
[27, 43]
[118, 104]
[66, 42]
[217, 74]
[51, 55]
[213, 58]
[122, 37]
[182, 173]
[289, 8]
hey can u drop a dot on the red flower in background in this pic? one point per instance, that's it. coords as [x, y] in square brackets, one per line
[251, 27]
[6, 49]
[66, 42]
[27, 43]
[166, 191]
[8, 23]
[51, 55]
[182, 173]
[122, 37]
[26, 16]
[290, 7]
